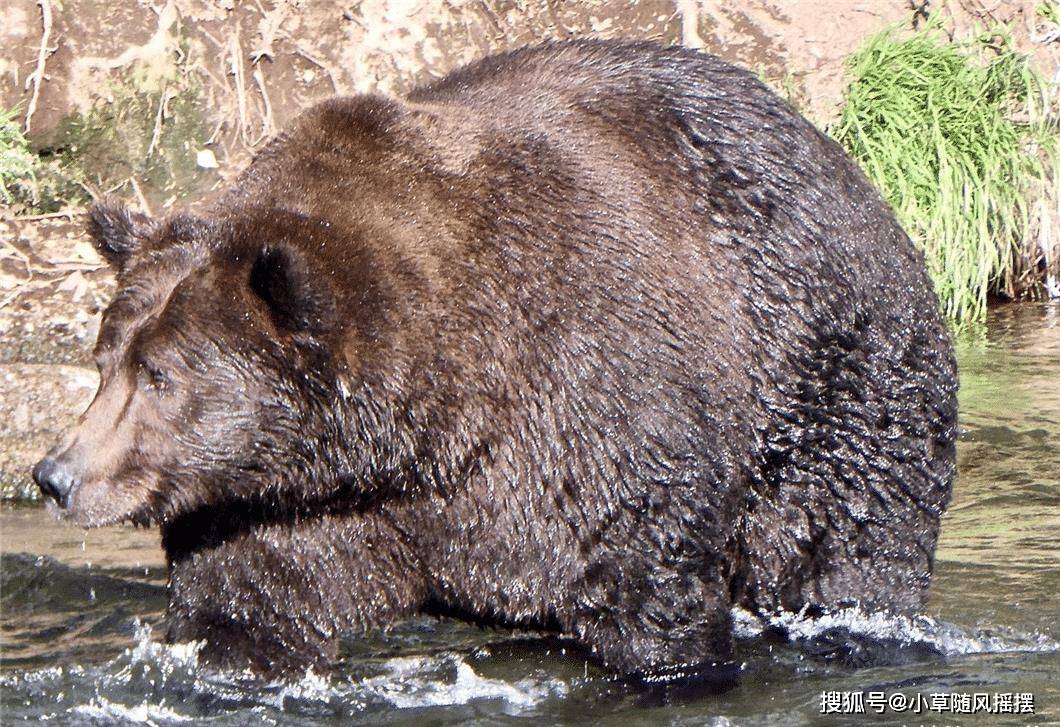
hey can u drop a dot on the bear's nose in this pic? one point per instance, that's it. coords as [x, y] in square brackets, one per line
[54, 479]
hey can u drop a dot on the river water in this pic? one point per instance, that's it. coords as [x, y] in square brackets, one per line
[77, 610]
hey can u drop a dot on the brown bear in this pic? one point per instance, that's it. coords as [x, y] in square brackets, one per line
[594, 338]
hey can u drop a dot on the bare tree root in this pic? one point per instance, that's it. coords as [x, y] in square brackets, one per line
[238, 71]
[268, 125]
[42, 58]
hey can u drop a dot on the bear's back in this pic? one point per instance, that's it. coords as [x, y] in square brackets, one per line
[727, 172]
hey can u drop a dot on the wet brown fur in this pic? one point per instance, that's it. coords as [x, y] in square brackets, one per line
[594, 337]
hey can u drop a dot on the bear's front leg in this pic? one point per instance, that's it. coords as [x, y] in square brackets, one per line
[274, 598]
[261, 641]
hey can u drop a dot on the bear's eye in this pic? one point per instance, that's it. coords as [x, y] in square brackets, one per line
[153, 377]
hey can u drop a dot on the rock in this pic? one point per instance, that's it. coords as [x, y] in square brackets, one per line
[205, 159]
[39, 403]
[55, 288]
[53, 293]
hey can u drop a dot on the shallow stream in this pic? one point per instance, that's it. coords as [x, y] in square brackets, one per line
[77, 609]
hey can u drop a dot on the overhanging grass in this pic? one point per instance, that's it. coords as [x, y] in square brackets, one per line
[957, 138]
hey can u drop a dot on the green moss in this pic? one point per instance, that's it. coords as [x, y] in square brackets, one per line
[149, 136]
[118, 139]
[18, 164]
[1049, 11]
[958, 139]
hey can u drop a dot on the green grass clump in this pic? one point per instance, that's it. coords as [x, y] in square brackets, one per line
[17, 163]
[958, 139]
[1050, 11]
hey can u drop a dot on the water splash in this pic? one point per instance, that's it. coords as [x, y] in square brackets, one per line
[154, 683]
[414, 682]
[167, 656]
[905, 631]
[745, 624]
[103, 709]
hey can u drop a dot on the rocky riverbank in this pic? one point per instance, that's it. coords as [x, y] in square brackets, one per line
[54, 289]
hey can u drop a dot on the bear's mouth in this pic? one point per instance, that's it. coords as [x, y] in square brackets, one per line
[102, 504]
[141, 517]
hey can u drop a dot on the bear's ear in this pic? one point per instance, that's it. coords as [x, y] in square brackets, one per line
[297, 299]
[117, 231]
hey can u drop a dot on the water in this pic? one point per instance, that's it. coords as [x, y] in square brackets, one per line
[77, 612]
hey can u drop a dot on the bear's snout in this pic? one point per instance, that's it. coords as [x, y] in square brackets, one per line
[56, 479]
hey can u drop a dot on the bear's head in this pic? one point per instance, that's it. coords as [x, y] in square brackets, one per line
[222, 359]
